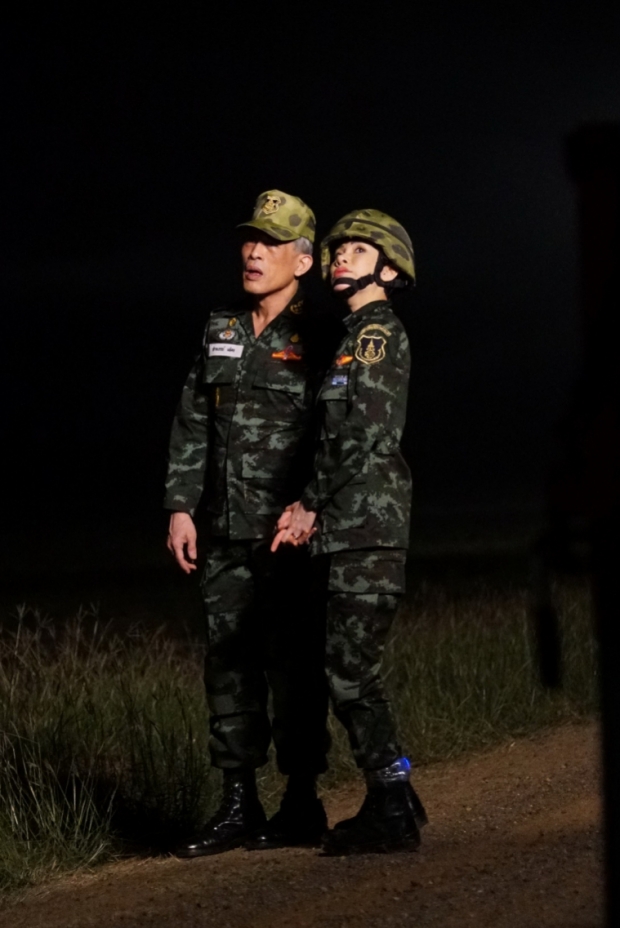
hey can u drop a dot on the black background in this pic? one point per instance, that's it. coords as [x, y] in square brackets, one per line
[135, 143]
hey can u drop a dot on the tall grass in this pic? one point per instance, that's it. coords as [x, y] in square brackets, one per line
[103, 738]
[463, 675]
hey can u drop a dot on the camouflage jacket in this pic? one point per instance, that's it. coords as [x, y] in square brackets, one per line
[362, 485]
[244, 427]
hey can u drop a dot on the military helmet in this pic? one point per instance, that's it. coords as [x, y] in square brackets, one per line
[370, 225]
[282, 216]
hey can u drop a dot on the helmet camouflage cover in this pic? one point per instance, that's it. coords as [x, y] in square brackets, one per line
[370, 225]
[282, 216]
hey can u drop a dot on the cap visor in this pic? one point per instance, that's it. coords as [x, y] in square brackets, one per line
[281, 233]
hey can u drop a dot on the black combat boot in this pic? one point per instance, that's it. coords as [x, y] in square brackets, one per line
[299, 822]
[239, 815]
[390, 817]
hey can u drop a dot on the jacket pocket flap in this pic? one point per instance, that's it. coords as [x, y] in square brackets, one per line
[333, 391]
[220, 370]
[266, 464]
[280, 377]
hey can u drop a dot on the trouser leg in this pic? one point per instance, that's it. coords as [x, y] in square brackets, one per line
[294, 637]
[357, 626]
[261, 625]
[363, 595]
[234, 677]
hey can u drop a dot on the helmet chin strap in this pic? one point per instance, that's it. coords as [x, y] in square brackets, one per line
[354, 286]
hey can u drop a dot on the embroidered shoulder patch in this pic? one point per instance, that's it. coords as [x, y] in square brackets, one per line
[371, 344]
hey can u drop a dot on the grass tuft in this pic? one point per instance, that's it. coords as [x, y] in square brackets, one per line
[103, 737]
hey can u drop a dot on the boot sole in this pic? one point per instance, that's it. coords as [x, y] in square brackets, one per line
[274, 845]
[210, 851]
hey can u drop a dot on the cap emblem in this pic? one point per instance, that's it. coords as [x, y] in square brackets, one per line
[271, 205]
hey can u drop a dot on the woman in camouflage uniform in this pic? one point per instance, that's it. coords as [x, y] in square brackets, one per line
[360, 497]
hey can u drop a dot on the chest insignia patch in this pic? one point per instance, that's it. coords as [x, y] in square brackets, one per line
[226, 335]
[232, 322]
[344, 359]
[371, 344]
[340, 380]
[290, 353]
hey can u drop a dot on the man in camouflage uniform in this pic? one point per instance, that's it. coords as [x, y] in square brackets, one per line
[361, 491]
[241, 440]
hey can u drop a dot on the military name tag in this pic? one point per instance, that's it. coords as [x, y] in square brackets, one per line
[225, 351]
[340, 380]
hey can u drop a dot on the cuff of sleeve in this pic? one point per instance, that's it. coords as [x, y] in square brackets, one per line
[310, 500]
[176, 505]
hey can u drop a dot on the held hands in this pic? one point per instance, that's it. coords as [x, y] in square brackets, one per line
[182, 534]
[295, 526]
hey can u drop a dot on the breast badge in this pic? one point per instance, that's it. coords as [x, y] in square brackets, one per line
[290, 353]
[226, 335]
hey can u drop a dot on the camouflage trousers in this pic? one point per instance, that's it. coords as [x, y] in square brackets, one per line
[264, 632]
[363, 591]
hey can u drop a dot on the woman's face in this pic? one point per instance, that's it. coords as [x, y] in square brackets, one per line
[354, 260]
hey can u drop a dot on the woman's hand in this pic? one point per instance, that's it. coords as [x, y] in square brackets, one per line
[295, 526]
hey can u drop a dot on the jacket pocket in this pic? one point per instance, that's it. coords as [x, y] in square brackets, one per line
[220, 370]
[333, 388]
[349, 507]
[267, 476]
[333, 402]
[280, 393]
[283, 376]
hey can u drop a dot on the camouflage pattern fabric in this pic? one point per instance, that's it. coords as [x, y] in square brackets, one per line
[244, 428]
[362, 486]
[282, 216]
[371, 225]
[242, 441]
[364, 588]
[262, 629]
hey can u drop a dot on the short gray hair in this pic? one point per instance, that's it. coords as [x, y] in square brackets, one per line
[303, 245]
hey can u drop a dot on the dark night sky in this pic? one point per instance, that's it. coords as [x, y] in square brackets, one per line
[134, 146]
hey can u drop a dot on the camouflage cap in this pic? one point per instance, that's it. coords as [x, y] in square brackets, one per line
[380, 230]
[282, 216]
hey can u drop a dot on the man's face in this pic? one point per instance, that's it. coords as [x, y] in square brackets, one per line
[270, 265]
[353, 260]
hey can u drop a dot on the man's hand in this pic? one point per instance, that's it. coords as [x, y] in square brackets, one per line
[182, 533]
[295, 526]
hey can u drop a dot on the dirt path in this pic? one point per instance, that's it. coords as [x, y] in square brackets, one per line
[514, 840]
